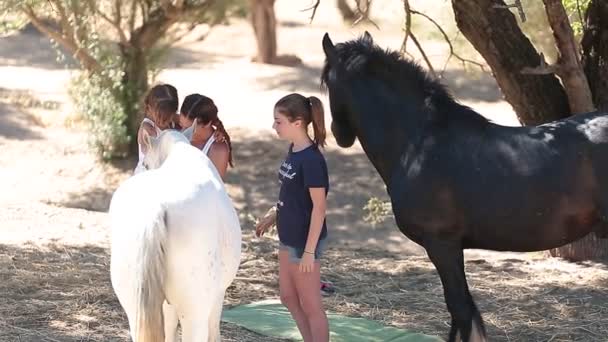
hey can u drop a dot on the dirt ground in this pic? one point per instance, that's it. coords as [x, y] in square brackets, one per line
[54, 236]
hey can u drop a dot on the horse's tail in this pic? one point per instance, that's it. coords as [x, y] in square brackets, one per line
[150, 275]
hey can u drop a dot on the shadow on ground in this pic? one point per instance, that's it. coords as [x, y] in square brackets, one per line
[253, 187]
[15, 125]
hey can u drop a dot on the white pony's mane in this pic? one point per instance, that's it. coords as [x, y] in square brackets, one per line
[161, 146]
[170, 137]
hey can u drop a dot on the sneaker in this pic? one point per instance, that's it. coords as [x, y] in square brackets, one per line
[327, 288]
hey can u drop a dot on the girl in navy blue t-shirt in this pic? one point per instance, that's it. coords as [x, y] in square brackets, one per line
[300, 212]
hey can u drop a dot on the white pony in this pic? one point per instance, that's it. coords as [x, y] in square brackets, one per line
[176, 239]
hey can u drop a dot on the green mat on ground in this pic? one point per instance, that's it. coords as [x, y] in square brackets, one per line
[271, 318]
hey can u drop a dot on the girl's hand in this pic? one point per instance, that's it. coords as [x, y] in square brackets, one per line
[266, 222]
[307, 263]
[263, 225]
[219, 136]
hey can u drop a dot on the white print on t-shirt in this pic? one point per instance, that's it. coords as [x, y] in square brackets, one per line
[284, 170]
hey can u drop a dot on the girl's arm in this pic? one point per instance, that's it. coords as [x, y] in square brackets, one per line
[319, 204]
[219, 154]
[140, 133]
[269, 220]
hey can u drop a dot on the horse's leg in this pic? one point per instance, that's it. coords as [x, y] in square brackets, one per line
[447, 256]
[195, 327]
[123, 281]
[190, 296]
[171, 321]
[215, 317]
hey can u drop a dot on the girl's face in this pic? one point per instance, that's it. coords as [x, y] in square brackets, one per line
[184, 121]
[285, 129]
[162, 120]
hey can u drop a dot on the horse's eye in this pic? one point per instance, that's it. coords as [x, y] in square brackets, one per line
[145, 165]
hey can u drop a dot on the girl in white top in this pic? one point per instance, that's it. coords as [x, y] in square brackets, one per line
[160, 107]
[208, 133]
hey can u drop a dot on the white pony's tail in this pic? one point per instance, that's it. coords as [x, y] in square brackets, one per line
[150, 275]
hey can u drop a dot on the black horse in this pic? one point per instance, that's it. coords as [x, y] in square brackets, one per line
[458, 181]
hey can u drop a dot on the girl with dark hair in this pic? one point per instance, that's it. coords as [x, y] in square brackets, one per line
[199, 114]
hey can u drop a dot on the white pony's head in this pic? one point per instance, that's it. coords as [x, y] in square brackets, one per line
[157, 149]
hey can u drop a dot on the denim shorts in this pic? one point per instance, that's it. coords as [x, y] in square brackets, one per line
[295, 254]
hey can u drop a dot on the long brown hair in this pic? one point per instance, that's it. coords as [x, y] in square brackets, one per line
[202, 109]
[308, 109]
[161, 103]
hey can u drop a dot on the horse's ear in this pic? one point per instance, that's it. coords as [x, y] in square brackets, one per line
[367, 39]
[146, 140]
[189, 132]
[330, 50]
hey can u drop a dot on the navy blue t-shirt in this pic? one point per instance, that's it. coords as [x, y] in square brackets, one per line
[300, 171]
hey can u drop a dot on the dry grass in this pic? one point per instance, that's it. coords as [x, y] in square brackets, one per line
[63, 293]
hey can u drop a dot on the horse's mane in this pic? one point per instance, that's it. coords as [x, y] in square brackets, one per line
[361, 57]
[168, 138]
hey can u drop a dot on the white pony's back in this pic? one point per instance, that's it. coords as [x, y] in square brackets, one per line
[176, 235]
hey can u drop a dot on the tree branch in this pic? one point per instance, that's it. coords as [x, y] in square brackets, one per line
[569, 68]
[79, 28]
[408, 34]
[424, 56]
[114, 22]
[88, 62]
[449, 42]
[314, 9]
[65, 25]
[132, 17]
[118, 12]
[364, 14]
[408, 24]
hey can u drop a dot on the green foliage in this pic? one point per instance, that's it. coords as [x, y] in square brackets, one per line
[576, 12]
[376, 210]
[11, 23]
[99, 99]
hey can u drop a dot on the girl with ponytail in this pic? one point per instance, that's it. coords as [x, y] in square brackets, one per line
[160, 107]
[199, 115]
[300, 212]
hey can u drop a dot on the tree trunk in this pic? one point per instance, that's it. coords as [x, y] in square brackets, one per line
[135, 84]
[587, 248]
[264, 26]
[362, 9]
[135, 67]
[595, 63]
[569, 67]
[494, 33]
[347, 13]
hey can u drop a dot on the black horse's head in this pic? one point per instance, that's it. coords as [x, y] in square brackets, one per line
[337, 73]
[369, 86]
